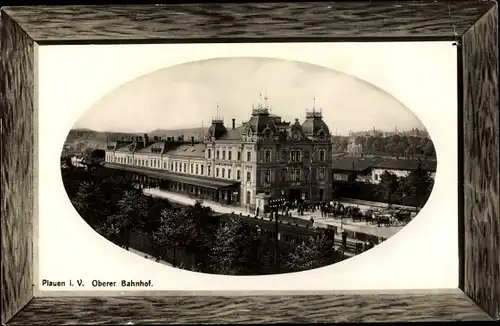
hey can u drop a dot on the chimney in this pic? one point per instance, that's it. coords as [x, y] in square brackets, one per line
[192, 141]
[145, 139]
[234, 123]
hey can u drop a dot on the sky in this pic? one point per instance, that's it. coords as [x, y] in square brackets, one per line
[189, 95]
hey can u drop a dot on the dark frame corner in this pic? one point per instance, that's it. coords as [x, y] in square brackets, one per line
[473, 25]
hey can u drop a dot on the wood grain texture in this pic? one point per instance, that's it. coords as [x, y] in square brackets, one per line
[449, 306]
[186, 22]
[16, 103]
[481, 163]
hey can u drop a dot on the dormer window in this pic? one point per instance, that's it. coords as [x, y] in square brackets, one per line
[321, 134]
[267, 156]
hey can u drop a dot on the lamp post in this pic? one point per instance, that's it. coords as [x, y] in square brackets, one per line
[275, 205]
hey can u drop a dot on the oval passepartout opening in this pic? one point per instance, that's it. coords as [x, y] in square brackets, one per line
[248, 166]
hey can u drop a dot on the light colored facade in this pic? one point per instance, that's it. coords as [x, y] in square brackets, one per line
[265, 156]
[378, 171]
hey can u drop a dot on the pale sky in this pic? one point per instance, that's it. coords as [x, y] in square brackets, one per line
[186, 96]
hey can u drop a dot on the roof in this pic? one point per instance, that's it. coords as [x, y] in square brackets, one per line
[233, 134]
[122, 146]
[166, 175]
[159, 145]
[197, 150]
[406, 164]
[197, 133]
[354, 163]
[311, 126]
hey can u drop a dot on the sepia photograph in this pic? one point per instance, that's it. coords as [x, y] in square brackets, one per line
[248, 166]
[258, 162]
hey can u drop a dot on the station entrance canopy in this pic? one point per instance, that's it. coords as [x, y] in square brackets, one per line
[165, 175]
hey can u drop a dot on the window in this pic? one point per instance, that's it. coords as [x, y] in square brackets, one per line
[223, 173]
[147, 163]
[209, 170]
[297, 174]
[217, 156]
[229, 173]
[321, 174]
[267, 155]
[238, 174]
[201, 169]
[223, 155]
[185, 167]
[175, 167]
[295, 155]
[322, 155]
[249, 176]
[209, 153]
[154, 163]
[196, 168]
[267, 176]
[171, 166]
[376, 177]
[165, 165]
[192, 168]
[239, 156]
[217, 172]
[249, 156]
[229, 155]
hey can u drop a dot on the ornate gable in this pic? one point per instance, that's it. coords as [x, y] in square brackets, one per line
[296, 131]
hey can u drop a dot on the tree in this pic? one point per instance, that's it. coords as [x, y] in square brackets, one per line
[132, 210]
[175, 232]
[152, 219]
[400, 149]
[201, 218]
[418, 184]
[236, 249]
[388, 185]
[90, 203]
[315, 252]
[369, 145]
[428, 149]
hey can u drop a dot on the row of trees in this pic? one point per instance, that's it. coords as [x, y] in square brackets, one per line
[415, 188]
[116, 209]
[412, 190]
[396, 145]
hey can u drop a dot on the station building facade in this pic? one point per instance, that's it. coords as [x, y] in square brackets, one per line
[244, 165]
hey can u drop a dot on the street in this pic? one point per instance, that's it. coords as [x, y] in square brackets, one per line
[321, 222]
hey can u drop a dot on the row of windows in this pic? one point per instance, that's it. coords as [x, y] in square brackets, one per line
[221, 155]
[294, 175]
[198, 169]
[295, 155]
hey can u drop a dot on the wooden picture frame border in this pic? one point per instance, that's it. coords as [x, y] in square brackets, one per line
[472, 25]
